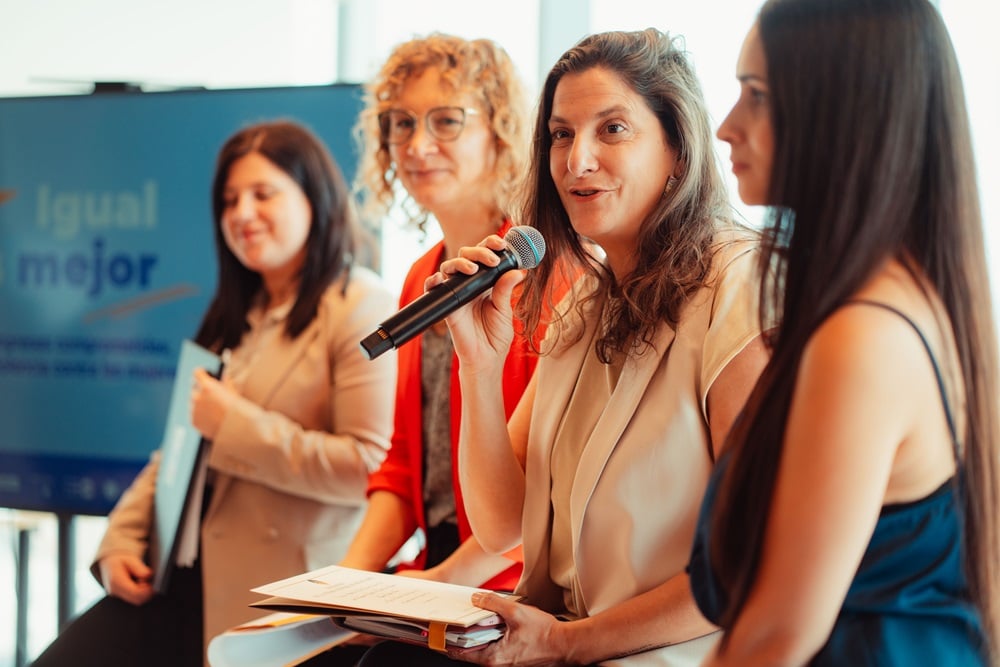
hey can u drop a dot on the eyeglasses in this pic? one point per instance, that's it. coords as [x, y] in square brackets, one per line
[444, 123]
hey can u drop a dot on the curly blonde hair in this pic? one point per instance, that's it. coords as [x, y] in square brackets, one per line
[479, 66]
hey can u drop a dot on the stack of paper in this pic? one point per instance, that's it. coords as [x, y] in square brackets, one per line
[428, 612]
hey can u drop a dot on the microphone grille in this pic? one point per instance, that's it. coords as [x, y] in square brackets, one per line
[527, 243]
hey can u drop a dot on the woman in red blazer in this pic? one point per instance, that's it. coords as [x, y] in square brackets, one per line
[446, 119]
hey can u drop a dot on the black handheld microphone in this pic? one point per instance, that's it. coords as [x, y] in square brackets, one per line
[525, 249]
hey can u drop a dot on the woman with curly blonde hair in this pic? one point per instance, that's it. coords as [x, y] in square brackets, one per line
[478, 71]
[444, 130]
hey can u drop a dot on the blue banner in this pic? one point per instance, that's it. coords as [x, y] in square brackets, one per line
[106, 265]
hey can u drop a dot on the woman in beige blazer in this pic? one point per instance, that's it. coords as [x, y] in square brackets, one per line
[601, 469]
[298, 421]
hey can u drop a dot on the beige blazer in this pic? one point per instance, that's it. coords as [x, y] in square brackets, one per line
[291, 459]
[638, 484]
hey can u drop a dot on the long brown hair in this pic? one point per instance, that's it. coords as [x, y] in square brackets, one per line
[674, 249]
[870, 163]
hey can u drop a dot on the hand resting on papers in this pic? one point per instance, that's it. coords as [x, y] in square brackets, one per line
[528, 630]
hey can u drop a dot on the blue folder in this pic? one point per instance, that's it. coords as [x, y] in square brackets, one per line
[179, 454]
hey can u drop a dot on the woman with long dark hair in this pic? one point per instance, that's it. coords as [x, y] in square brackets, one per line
[853, 518]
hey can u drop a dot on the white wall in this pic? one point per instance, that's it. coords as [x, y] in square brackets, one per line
[978, 46]
[45, 45]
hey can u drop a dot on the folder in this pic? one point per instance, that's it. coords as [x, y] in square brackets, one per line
[177, 482]
[276, 640]
[420, 611]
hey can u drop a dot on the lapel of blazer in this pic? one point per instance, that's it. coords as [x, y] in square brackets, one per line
[558, 375]
[631, 387]
[264, 379]
[267, 374]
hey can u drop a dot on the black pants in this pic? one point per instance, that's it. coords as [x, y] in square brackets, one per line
[338, 656]
[395, 654]
[167, 631]
[442, 540]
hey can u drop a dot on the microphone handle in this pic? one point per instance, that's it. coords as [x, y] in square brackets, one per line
[435, 304]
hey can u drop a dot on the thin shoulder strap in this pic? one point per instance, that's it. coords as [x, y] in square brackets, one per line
[937, 369]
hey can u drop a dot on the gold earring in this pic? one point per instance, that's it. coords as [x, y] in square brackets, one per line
[671, 184]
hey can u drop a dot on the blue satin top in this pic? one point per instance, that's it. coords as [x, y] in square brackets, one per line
[909, 602]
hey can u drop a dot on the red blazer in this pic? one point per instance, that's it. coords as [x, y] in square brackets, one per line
[402, 471]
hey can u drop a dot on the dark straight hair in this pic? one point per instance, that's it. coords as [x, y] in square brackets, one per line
[330, 246]
[872, 161]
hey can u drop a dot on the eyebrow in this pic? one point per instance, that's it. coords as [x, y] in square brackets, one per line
[254, 184]
[751, 78]
[604, 113]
